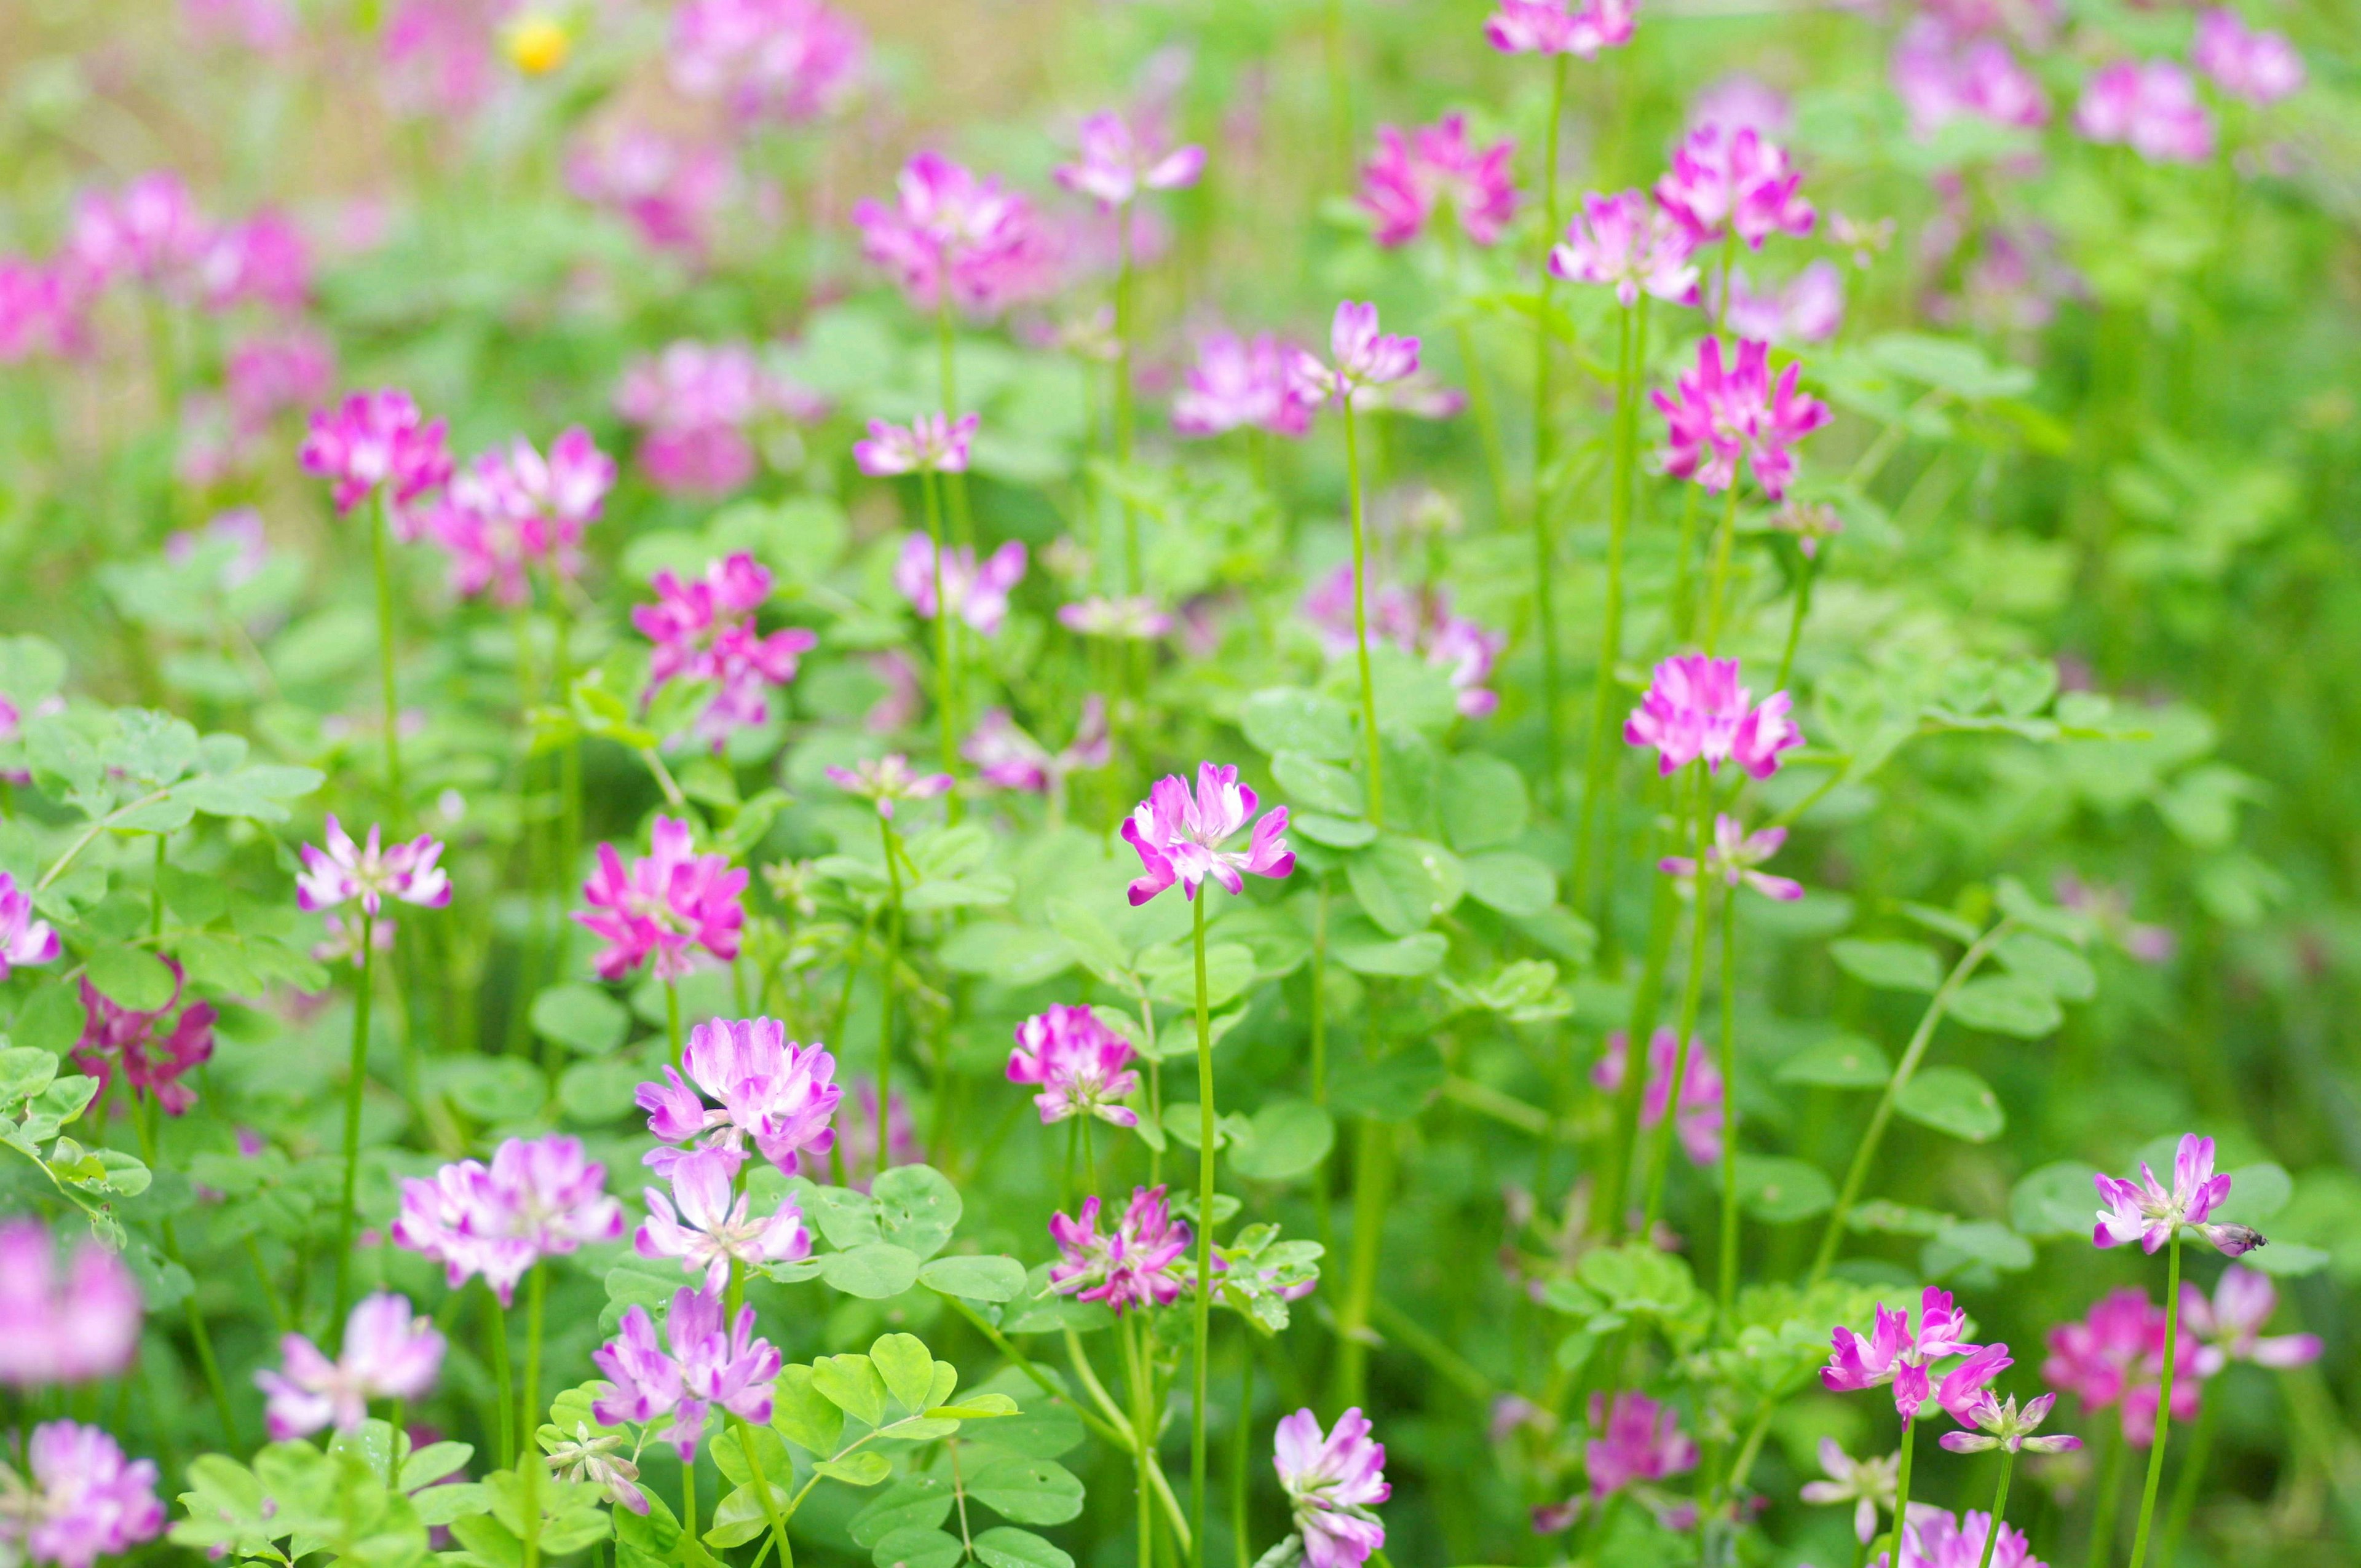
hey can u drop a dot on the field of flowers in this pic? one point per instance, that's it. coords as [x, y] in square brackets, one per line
[1179, 784]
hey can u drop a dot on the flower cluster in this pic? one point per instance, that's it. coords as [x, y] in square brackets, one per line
[1895, 1354]
[1808, 308]
[2145, 1212]
[700, 406]
[765, 1089]
[1117, 162]
[1435, 170]
[1365, 359]
[67, 1329]
[1732, 857]
[1629, 243]
[930, 443]
[953, 237]
[1638, 1440]
[700, 1362]
[671, 191]
[153, 1057]
[1725, 177]
[1419, 622]
[1334, 1480]
[2150, 106]
[1714, 417]
[379, 444]
[539, 1197]
[1942, 75]
[1695, 710]
[768, 61]
[977, 593]
[1006, 757]
[2259, 67]
[1547, 27]
[887, 780]
[371, 872]
[671, 902]
[1240, 383]
[712, 1227]
[704, 631]
[23, 939]
[1082, 1066]
[2113, 1356]
[1700, 1119]
[78, 1500]
[1141, 1262]
[512, 509]
[1179, 836]
[389, 1354]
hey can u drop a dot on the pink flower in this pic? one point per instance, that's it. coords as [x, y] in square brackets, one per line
[1134, 617]
[539, 1197]
[1892, 1354]
[1117, 164]
[1968, 1384]
[1334, 1482]
[952, 235]
[1435, 170]
[886, 780]
[149, 233]
[1808, 308]
[1142, 1263]
[2259, 67]
[1696, 708]
[1638, 1440]
[41, 311]
[2110, 908]
[510, 509]
[1179, 838]
[2230, 1326]
[765, 1088]
[69, 1330]
[704, 629]
[1626, 241]
[389, 1354]
[2145, 1213]
[2004, 1425]
[1808, 523]
[1418, 623]
[23, 938]
[1008, 758]
[1732, 857]
[671, 191]
[1546, 26]
[1942, 75]
[340, 939]
[1933, 1539]
[1739, 101]
[80, 1501]
[269, 374]
[1364, 356]
[671, 902]
[1715, 419]
[978, 595]
[345, 872]
[706, 1365]
[373, 442]
[153, 1059]
[1083, 1067]
[1239, 383]
[438, 56]
[1737, 178]
[1867, 1484]
[769, 60]
[1701, 1089]
[264, 260]
[933, 443]
[696, 401]
[710, 1229]
[2149, 106]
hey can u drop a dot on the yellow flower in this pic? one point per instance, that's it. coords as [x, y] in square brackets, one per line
[538, 45]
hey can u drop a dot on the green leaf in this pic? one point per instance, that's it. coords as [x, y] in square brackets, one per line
[1510, 882]
[1780, 1190]
[1042, 1429]
[1404, 884]
[1092, 943]
[1288, 719]
[1987, 1242]
[860, 1469]
[1004, 1546]
[1290, 1138]
[917, 1208]
[1026, 1491]
[595, 1093]
[2286, 1260]
[132, 979]
[1278, 940]
[915, 1502]
[1942, 922]
[1406, 958]
[975, 1279]
[1013, 956]
[737, 1519]
[24, 1073]
[2258, 1192]
[2055, 1201]
[805, 1416]
[846, 1217]
[877, 1272]
[51, 1019]
[493, 1089]
[1393, 1089]
[924, 1546]
[1483, 802]
[2005, 1005]
[852, 1386]
[1317, 786]
[1845, 1061]
[1955, 1101]
[582, 1019]
[2054, 967]
[1170, 971]
[1890, 966]
[907, 1367]
[1336, 832]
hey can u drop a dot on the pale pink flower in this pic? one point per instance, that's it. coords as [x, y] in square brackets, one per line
[266, 26]
[149, 233]
[1968, 1384]
[1006, 757]
[1334, 1480]
[1418, 622]
[1942, 75]
[1639, 1440]
[41, 311]
[1734, 178]
[704, 629]
[1117, 162]
[1134, 618]
[671, 191]
[1868, 1485]
[903, 697]
[1808, 308]
[340, 939]
[1548, 26]
[2114, 1355]
[512, 509]
[1702, 1093]
[952, 235]
[370, 873]
[698, 402]
[23, 939]
[1143, 1262]
[270, 373]
[2230, 1326]
[594, 1458]
[1714, 418]
[2150, 106]
[2259, 67]
[439, 55]
[264, 260]
[1695, 709]
[1627, 242]
[1732, 857]
[1934, 1538]
[765, 1089]
[376, 441]
[884, 781]
[154, 1058]
[930, 443]
[2145, 1213]
[705, 1365]
[1364, 356]
[712, 1225]
[1809, 523]
[669, 903]
[782, 60]
[78, 1500]
[72, 1329]
[1082, 1066]
[1241, 383]
[978, 594]
[1739, 102]
[389, 1354]
[1178, 838]
[1894, 1354]
[2005, 1426]
[539, 1197]
[1432, 170]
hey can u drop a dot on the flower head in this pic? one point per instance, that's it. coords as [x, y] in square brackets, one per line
[389, 1354]
[2230, 1326]
[704, 629]
[1005, 757]
[67, 1329]
[1364, 356]
[2259, 67]
[1628, 242]
[2150, 106]
[1808, 308]
[2114, 1355]
[154, 1058]
[1695, 709]
[1117, 164]
[712, 1225]
[1702, 1089]
[1638, 1440]
[887, 780]
[671, 192]
[592, 1458]
[669, 903]
[1547, 27]
[1143, 1262]
[775, 60]
[1179, 836]
[930, 443]
[1732, 857]
[699, 1365]
[1334, 1482]
[764, 1088]
[1435, 170]
[369, 873]
[1943, 75]
[1734, 178]
[1714, 417]
[2145, 1213]
[1245, 383]
[150, 233]
[1893, 1353]
[2005, 1426]
[539, 1197]
[512, 508]
[1082, 1066]
[23, 938]
[951, 235]
[978, 594]
[1809, 523]
[697, 402]
[1867, 1484]
[377, 440]
[1419, 622]
[80, 1501]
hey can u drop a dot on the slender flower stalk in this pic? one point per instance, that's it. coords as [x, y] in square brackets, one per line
[1599, 756]
[1692, 995]
[1544, 443]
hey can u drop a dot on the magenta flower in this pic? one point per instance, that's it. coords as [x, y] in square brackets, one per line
[1943, 76]
[1808, 308]
[1083, 1067]
[1892, 1354]
[369, 873]
[978, 594]
[510, 509]
[1244, 383]
[2005, 1426]
[777, 60]
[1935, 1539]
[539, 1197]
[389, 1354]
[2145, 1213]
[62, 1329]
[887, 780]
[2230, 1326]
[952, 235]
[376, 441]
[269, 374]
[42, 311]
[1134, 618]
[709, 1228]
[23, 938]
[698, 402]
[1732, 857]
[264, 260]
[80, 1501]
[2101, 1356]
[704, 629]
[2150, 106]
[1736, 177]
[149, 233]
[671, 191]
[1005, 757]
[1435, 170]
[1695, 709]
[1702, 1091]
[1334, 1482]
[705, 1365]
[765, 1088]
[932, 444]
[1179, 836]
[153, 1059]
[1627, 241]
[1117, 164]
[671, 902]
[2259, 67]
[1715, 419]
[1968, 1384]
[1867, 1484]
[1638, 1440]
[1364, 356]
[1546, 26]
[1143, 1263]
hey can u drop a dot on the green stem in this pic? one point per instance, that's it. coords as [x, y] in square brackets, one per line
[672, 1020]
[1635, 1051]
[1376, 802]
[2163, 1401]
[1545, 545]
[1718, 590]
[1663, 912]
[507, 1406]
[885, 988]
[946, 681]
[1597, 759]
[1726, 1048]
[1796, 620]
[691, 1547]
[2185, 1486]
[356, 1078]
[1143, 1436]
[1322, 1176]
[1372, 1186]
[207, 1362]
[1242, 1445]
[762, 1484]
[527, 1459]
[1999, 1507]
[2104, 1507]
[1902, 1490]
[1206, 1158]
[1041, 1379]
[1684, 555]
[381, 556]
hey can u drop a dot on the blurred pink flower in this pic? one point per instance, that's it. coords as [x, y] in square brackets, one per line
[930, 443]
[2145, 1213]
[539, 1197]
[270, 373]
[713, 1226]
[1008, 758]
[1434, 171]
[780, 60]
[1734, 178]
[2259, 67]
[1547, 27]
[856, 1135]
[1627, 241]
[266, 27]
[765, 1089]
[512, 509]
[78, 1500]
[74, 1329]
[671, 191]
[1082, 1068]
[885, 780]
[704, 629]
[41, 311]
[153, 1059]
[1808, 308]
[389, 1354]
[1333, 1483]
[1732, 857]
[1942, 75]
[978, 594]
[949, 234]
[1695, 709]
[1739, 102]
[903, 697]
[2110, 908]
[1867, 1484]
[1179, 836]
[1117, 162]
[1239, 383]
[439, 55]
[1700, 1127]
[1134, 617]
[149, 233]
[1639, 1440]
[1419, 622]
[671, 902]
[23, 938]
[345, 872]
[2150, 106]
[1141, 1262]
[264, 260]
[375, 442]
[709, 1363]
[2230, 1326]
[696, 401]
[1714, 418]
